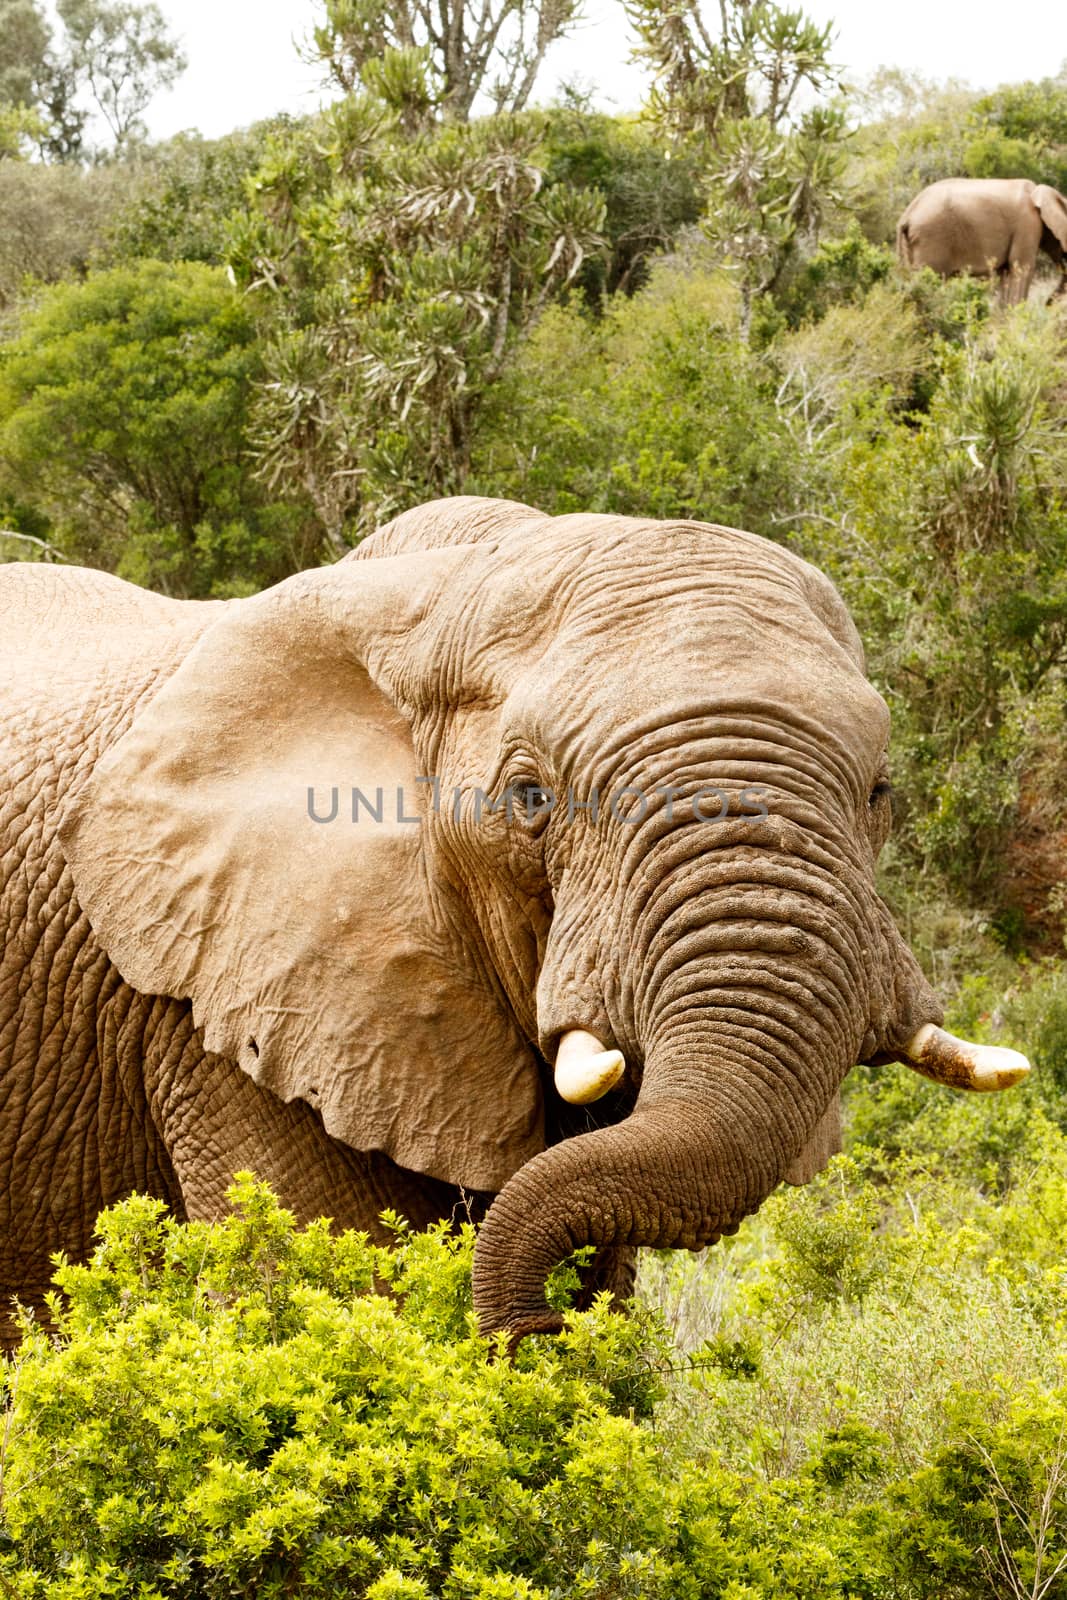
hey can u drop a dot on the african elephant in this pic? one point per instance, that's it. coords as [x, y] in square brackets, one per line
[283, 886]
[986, 226]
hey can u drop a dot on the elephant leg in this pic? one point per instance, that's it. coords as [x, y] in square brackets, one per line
[75, 1135]
[1020, 276]
[1013, 283]
[1022, 258]
[612, 1268]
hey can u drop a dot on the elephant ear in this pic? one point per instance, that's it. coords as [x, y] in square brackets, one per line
[319, 955]
[1053, 209]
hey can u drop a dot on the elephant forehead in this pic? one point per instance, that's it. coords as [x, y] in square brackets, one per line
[753, 650]
[605, 572]
[675, 596]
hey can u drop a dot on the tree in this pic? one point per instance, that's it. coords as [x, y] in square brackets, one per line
[393, 279]
[1035, 113]
[114, 56]
[123, 55]
[650, 192]
[751, 66]
[430, 58]
[182, 193]
[18, 128]
[732, 91]
[768, 192]
[57, 218]
[123, 413]
[24, 41]
[37, 87]
[657, 409]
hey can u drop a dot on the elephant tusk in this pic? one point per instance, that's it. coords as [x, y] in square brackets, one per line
[960, 1064]
[584, 1069]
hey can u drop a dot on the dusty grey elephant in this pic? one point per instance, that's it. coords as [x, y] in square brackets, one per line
[991, 227]
[208, 964]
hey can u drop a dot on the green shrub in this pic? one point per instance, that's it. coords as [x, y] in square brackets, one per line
[230, 1410]
[658, 410]
[988, 1518]
[650, 192]
[184, 194]
[839, 272]
[56, 219]
[841, 1326]
[1032, 117]
[246, 1409]
[1035, 1012]
[123, 409]
[991, 154]
[829, 1243]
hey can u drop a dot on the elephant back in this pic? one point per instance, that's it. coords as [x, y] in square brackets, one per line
[79, 652]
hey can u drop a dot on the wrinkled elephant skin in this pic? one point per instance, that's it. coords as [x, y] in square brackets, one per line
[256, 915]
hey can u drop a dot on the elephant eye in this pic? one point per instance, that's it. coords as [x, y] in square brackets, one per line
[881, 791]
[534, 804]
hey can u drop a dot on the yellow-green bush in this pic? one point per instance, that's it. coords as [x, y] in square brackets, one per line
[236, 1410]
[230, 1410]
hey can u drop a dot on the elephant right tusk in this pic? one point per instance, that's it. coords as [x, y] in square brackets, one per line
[584, 1069]
[961, 1065]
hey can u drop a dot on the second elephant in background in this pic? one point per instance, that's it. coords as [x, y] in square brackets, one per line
[991, 227]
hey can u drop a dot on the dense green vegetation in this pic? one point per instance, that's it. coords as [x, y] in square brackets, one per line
[941, 521]
[693, 312]
[126, 400]
[862, 1395]
[221, 361]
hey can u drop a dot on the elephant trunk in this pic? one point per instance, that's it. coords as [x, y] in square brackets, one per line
[721, 1119]
[756, 975]
[736, 1007]
[686, 1167]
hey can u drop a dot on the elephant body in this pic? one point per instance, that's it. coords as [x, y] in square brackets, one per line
[990, 227]
[107, 1090]
[204, 971]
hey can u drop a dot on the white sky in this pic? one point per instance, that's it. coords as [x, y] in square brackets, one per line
[243, 62]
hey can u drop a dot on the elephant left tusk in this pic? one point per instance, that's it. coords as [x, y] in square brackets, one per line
[961, 1065]
[584, 1069]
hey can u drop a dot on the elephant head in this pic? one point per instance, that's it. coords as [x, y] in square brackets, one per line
[504, 790]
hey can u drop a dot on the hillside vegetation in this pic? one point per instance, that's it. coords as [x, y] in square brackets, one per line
[223, 361]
